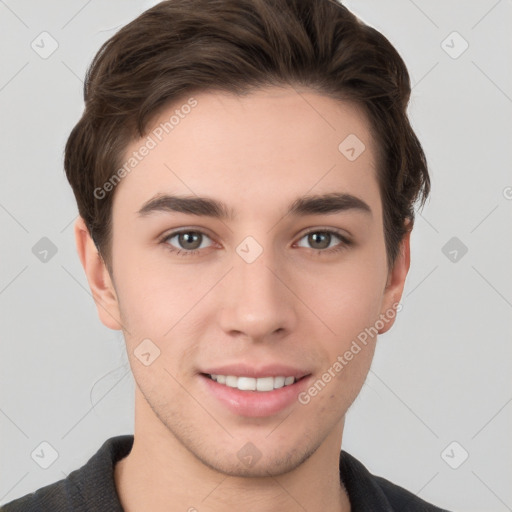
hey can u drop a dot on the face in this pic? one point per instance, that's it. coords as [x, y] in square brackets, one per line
[274, 283]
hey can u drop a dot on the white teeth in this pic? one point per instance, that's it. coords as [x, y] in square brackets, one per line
[253, 384]
[231, 381]
[246, 383]
[265, 384]
[279, 382]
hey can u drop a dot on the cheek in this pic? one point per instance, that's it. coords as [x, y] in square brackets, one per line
[168, 308]
[348, 301]
[348, 297]
[151, 297]
[347, 354]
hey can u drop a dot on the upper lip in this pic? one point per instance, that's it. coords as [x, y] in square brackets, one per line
[267, 370]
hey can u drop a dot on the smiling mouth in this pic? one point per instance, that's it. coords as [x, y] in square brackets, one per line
[252, 383]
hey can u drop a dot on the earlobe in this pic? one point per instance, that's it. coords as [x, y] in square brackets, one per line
[99, 279]
[396, 282]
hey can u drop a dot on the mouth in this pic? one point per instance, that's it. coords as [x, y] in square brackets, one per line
[260, 395]
[245, 383]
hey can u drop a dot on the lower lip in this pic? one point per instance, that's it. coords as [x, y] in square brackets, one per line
[255, 404]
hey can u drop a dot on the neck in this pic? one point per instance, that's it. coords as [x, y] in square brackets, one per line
[160, 474]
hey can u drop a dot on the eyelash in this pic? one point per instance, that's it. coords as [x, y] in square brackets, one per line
[344, 242]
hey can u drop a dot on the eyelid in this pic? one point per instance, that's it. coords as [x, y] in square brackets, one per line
[204, 231]
[344, 238]
[343, 235]
[184, 229]
[174, 232]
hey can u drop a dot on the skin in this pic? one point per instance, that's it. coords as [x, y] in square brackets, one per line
[293, 304]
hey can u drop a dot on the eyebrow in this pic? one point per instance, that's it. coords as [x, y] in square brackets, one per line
[207, 207]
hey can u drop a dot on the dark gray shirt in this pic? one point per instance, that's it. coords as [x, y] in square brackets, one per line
[91, 488]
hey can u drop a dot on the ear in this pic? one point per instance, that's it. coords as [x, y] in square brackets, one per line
[396, 281]
[99, 279]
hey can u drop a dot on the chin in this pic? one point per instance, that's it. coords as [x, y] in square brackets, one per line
[279, 463]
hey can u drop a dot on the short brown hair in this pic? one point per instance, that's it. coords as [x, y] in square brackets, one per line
[183, 46]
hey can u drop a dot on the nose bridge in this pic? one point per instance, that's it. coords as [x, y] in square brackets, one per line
[257, 303]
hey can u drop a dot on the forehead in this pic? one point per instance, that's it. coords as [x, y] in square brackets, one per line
[266, 147]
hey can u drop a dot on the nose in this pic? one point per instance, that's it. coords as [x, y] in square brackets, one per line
[256, 300]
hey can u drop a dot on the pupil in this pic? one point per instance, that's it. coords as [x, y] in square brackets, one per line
[188, 238]
[317, 237]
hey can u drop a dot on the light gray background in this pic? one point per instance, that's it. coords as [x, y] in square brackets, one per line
[443, 372]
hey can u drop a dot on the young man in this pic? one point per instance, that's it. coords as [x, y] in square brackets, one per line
[245, 174]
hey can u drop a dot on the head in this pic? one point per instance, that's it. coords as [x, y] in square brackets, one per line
[252, 103]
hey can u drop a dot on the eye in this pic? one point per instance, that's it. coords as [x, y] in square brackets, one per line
[325, 241]
[186, 242]
[189, 242]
